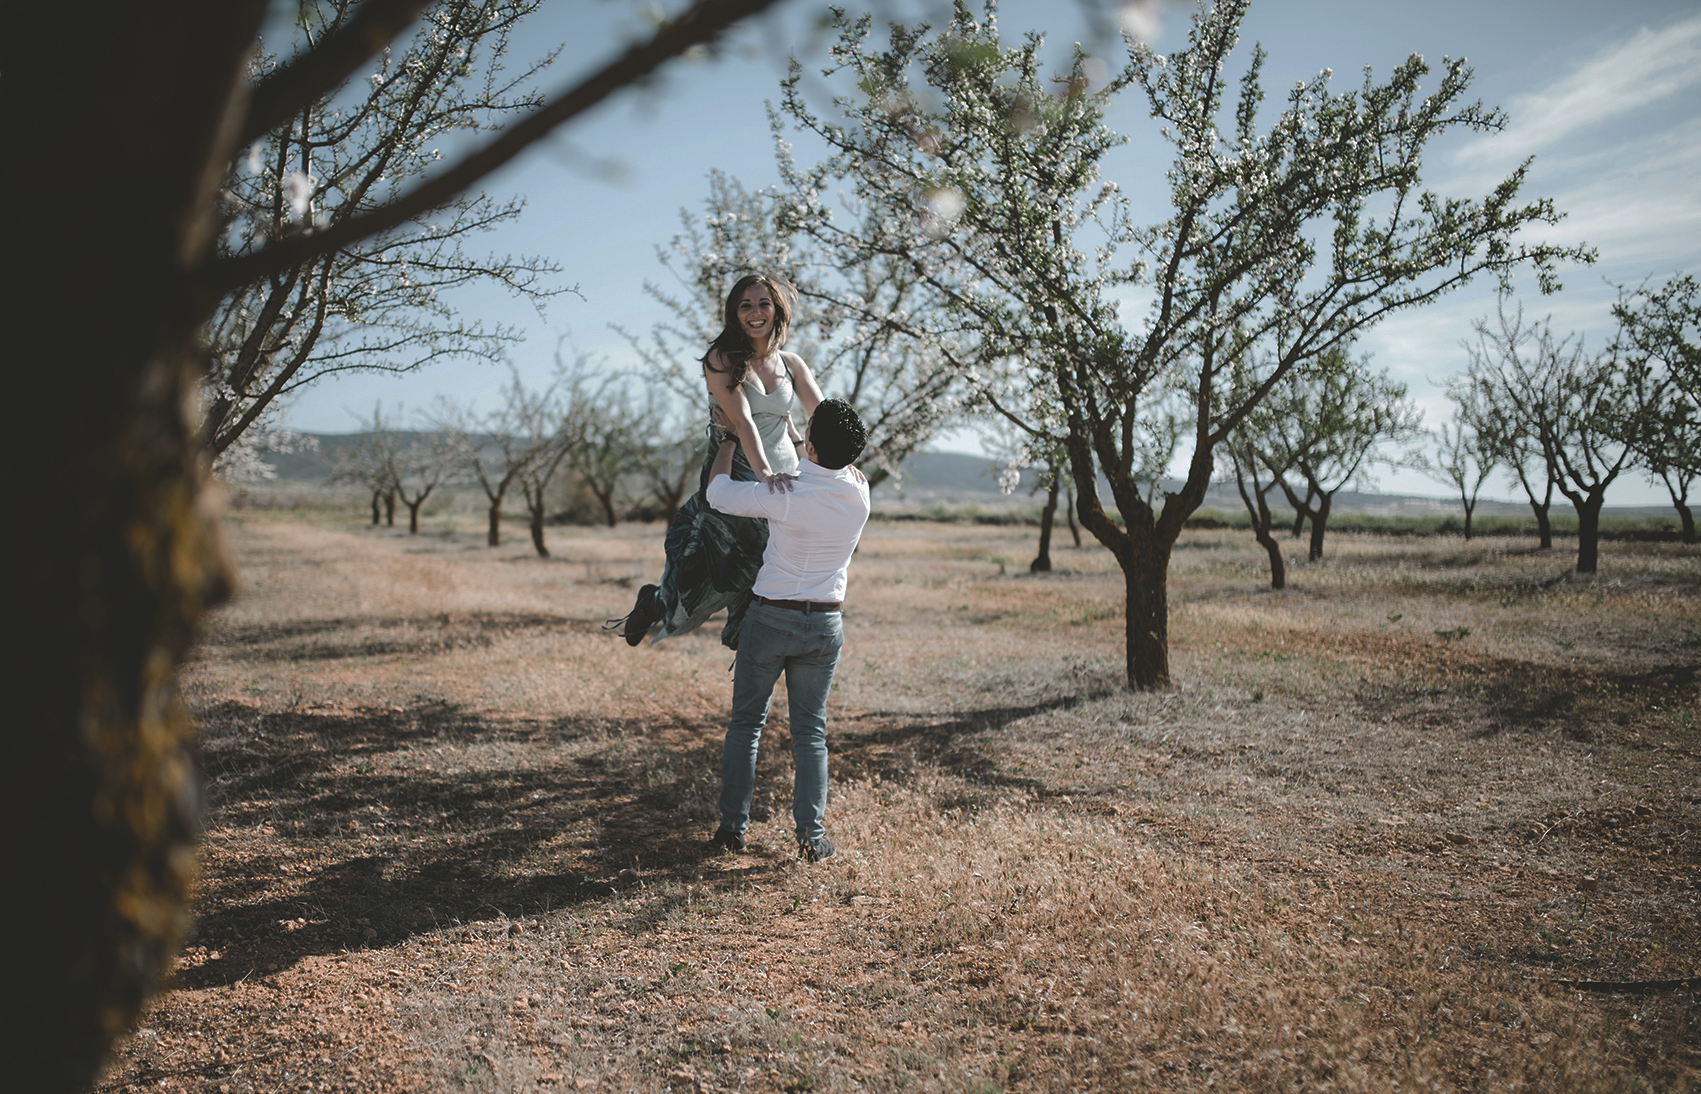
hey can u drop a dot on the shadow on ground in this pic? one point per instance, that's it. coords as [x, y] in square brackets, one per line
[333, 830]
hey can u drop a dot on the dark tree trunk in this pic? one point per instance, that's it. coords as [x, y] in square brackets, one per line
[1470, 507]
[1042, 561]
[1272, 548]
[1544, 528]
[390, 508]
[1589, 533]
[1146, 577]
[493, 537]
[110, 116]
[607, 503]
[413, 505]
[1319, 524]
[1069, 513]
[1680, 501]
[1301, 506]
[377, 513]
[537, 530]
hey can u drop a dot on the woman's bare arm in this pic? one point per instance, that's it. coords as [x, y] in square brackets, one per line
[737, 410]
[803, 384]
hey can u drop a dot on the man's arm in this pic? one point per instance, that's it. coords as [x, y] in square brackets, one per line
[723, 457]
[743, 499]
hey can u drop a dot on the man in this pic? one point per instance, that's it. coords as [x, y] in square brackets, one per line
[793, 624]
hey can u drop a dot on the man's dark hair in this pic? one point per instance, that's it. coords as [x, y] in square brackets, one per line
[837, 434]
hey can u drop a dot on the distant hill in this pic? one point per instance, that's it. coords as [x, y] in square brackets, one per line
[959, 478]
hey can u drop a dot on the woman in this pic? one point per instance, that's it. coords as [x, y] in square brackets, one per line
[712, 557]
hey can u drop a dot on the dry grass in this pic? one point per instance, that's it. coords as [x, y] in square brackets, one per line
[456, 831]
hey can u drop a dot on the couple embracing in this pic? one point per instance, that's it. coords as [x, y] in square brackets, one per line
[768, 537]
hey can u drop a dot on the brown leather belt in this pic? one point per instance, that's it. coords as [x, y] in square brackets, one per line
[804, 606]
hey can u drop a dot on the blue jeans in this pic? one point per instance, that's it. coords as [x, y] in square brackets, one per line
[806, 648]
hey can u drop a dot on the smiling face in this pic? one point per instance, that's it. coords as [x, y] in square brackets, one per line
[756, 313]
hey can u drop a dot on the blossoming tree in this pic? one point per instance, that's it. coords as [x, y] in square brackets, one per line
[384, 303]
[1288, 230]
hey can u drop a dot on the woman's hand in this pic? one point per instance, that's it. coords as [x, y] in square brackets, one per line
[719, 420]
[778, 482]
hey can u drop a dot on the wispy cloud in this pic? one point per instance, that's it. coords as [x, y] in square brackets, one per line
[1651, 65]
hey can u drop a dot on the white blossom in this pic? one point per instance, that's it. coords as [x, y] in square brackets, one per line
[298, 191]
[1141, 19]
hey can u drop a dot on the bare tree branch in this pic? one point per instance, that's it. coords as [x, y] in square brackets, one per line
[369, 30]
[703, 22]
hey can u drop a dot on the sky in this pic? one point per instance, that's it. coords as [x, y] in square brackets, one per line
[1605, 97]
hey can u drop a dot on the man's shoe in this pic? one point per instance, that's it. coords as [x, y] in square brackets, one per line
[814, 850]
[642, 616]
[725, 839]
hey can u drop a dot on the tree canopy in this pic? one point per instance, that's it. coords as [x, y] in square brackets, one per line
[1288, 232]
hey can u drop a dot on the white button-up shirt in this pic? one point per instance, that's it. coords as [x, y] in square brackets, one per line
[812, 529]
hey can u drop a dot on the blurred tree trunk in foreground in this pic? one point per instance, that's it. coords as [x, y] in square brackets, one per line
[119, 121]
[108, 220]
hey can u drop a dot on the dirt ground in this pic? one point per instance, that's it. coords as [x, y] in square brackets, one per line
[1428, 819]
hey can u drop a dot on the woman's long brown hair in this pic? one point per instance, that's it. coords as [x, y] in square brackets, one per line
[732, 343]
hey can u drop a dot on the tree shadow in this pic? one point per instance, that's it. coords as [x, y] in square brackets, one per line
[370, 636]
[888, 745]
[330, 825]
[336, 830]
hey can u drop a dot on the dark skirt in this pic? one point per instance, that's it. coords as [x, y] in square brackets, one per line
[712, 561]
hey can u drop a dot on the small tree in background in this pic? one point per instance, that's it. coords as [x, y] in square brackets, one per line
[552, 426]
[494, 449]
[1576, 408]
[1464, 459]
[606, 453]
[670, 459]
[1328, 426]
[1510, 440]
[1258, 469]
[1660, 339]
[373, 463]
[420, 468]
[1668, 445]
